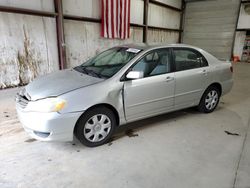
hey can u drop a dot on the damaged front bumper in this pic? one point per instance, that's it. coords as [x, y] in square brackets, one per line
[49, 126]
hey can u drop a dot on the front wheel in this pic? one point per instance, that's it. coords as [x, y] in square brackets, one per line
[209, 100]
[95, 127]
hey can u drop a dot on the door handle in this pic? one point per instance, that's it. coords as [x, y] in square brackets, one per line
[203, 72]
[169, 78]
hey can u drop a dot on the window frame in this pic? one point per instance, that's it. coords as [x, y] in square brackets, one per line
[172, 65]
[189, 49]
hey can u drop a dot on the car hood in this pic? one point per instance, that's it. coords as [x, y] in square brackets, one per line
[57, 83]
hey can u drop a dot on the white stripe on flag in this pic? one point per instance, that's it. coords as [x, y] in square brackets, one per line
[122, 19]
[104, 17]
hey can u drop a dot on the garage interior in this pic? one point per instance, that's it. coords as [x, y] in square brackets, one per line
[180, 149]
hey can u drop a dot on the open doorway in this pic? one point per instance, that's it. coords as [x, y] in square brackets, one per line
[246, 48]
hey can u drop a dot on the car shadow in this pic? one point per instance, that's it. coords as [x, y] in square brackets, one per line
[131, 129]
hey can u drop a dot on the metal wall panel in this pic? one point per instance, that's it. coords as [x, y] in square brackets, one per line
[244, 19]
[44, 5]
[86, 8]
[174, 3]
[92, 9]
[210, 25]
[28, 44]
[159, 36]
[163, 17]
[83, 41]
[136, 11]
[28, 48]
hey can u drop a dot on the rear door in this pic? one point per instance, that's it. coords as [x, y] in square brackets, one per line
[191, 72]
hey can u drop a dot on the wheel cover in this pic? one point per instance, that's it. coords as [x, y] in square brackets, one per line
[97, 128]
[211, 100]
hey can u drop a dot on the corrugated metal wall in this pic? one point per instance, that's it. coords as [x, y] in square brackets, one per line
[83, 38]
[210, 24]
[28, 44]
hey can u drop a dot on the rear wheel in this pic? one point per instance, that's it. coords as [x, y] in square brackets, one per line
[96, 126]
[209, 100]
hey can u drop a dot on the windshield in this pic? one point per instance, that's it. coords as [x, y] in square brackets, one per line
[109, 62]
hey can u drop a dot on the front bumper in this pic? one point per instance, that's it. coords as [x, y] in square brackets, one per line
[49, 126]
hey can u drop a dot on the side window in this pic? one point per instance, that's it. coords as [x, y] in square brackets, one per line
[154, 63]
[188, 59]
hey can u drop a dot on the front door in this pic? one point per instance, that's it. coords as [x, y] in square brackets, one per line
[154, 93]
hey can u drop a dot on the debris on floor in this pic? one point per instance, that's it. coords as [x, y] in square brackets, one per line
[110, 143]
[30, 140]
[130, 133]
[230, 133]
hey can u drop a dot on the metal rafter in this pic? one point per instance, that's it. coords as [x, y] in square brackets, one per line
[27, 11]
[60, 34]
[145, 21]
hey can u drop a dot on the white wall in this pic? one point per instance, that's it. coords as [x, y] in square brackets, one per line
[239, 43]
[46, 5]
[159, 36]
[28, 48]
[244, 19]
[136, 11]
[83, 41]
[163, 17]
[86, 8]
[28, 44]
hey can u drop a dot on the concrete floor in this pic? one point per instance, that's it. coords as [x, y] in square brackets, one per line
[181, 149]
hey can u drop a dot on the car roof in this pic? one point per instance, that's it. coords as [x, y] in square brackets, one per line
[147, 46]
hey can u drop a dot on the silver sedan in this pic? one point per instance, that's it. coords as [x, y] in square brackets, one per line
[121, 85]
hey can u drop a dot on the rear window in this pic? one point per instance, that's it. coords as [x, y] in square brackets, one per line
[186, 59]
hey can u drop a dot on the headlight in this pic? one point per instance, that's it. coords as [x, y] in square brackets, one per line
[46, 105]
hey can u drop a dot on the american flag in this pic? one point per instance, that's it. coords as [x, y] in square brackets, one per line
[115, 19]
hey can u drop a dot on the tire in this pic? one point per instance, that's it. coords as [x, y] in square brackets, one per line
[95, 126]
[209, 100]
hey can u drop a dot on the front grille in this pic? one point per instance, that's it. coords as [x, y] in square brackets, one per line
[21, 101]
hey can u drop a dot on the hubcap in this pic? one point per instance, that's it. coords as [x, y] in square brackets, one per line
[211, 100]
[97, 128]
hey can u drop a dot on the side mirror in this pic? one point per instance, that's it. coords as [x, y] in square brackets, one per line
[133, 75]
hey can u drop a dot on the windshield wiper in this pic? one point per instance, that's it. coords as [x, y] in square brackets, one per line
[91, 72]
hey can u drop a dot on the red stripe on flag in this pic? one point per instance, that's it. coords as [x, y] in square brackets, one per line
[124, 19]
[117, 17]
[107, 18]
[120, 19]
[112, 18]
[128, 19]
